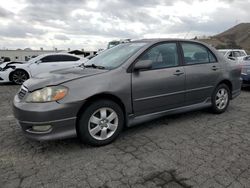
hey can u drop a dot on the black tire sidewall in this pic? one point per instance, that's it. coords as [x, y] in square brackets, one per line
[214, 107]
[82, 127]
[19, 71]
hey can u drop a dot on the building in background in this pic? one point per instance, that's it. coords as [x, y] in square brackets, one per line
[27, 53]
[23, 55]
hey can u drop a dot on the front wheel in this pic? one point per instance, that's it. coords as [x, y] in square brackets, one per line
[220, 99]
[100, 123]
[19, 76]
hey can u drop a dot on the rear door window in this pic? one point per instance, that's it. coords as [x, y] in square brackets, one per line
[49, 59]
[242, 53]
[197, 54]
[67, 58]
[236, 54]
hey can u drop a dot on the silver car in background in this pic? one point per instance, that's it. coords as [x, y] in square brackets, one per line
[233, 54]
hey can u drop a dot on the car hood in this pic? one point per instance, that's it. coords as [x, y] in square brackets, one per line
[59, 77]
[4, 64]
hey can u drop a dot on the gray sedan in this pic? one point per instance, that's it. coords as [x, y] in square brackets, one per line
[129, 84]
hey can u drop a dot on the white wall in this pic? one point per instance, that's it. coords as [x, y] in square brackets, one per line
[22, 55]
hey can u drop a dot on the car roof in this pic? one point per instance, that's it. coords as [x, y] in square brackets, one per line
[225, 50]
[164, 40]
[60, 53]
[156, 40]
[153, 41]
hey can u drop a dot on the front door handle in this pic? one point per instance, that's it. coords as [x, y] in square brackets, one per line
[178, 73]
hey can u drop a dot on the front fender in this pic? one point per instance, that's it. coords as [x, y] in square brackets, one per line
[116, 83]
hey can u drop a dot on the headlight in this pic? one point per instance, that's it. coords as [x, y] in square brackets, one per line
[48, 94]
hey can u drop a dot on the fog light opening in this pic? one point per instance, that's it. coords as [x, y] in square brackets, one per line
[41, 128]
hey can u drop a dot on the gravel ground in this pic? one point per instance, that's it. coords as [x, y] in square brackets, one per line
[196, 149]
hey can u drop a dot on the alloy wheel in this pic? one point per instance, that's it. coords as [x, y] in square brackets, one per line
[19, 77]
[103, 123]
[221, 99]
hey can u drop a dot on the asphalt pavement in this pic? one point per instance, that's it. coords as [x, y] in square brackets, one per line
[196, 149]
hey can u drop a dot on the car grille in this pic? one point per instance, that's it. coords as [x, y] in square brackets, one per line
[22, 92]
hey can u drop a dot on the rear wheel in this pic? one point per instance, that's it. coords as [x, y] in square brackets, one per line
[220, 99]
[100, 123]
[19, 76]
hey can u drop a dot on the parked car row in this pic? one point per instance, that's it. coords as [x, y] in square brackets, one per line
[233, 54]
[240, 57]
[125, 85]
[245, 71]
[18, 72]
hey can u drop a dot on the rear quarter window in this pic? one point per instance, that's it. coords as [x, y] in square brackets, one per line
[67, 58]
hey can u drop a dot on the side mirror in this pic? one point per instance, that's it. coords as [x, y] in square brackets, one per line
[143, 65]
[38, 61]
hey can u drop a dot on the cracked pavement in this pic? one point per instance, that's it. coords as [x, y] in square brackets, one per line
[196, 149]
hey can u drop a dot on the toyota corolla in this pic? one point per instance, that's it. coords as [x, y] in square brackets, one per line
[129, 84]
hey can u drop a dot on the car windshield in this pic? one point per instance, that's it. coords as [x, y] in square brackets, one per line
[32, 60]
[116, 56]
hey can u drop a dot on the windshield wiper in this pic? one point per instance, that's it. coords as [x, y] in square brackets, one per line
[93, 66]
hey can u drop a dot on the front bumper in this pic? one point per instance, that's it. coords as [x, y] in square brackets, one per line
[4, 76]
[61, 117]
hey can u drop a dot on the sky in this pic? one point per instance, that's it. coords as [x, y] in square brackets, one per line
[91, 24]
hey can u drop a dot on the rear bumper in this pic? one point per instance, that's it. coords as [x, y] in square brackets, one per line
[61, 118]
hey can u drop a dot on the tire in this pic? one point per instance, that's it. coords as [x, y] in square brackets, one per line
[220, 99]
[19, 76]
[100, 117]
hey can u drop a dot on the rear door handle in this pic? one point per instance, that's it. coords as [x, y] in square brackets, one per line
[215, 68]
[178, 73]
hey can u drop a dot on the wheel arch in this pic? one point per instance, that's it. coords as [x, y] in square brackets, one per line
[101, 96]
[10, 75]
[229, 84]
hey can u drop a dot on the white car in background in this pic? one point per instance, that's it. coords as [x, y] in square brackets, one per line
[18, 72]
[233, 54]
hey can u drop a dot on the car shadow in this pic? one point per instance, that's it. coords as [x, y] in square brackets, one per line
[73, 144]
[8, 84]
[166, 120]
[246, 88]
